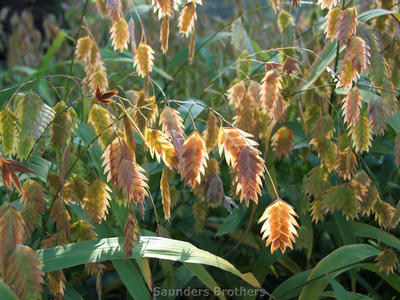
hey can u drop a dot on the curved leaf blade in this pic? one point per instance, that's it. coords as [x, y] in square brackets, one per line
[6, 293]
[332, 264]
[70, 255]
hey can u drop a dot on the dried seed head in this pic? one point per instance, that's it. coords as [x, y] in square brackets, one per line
[279, 225]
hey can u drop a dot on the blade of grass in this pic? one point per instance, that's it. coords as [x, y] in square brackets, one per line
[62, 257]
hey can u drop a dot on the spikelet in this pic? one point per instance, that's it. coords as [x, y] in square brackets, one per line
[9, 129]
[316, 210]
[143, 61]
[245, 116]
[56, 283]
[387, 261]
[331, 22]
[82, 231]
[384, 213]
[279, 225]
[397, 149]
[213, 190]
[347, 75]
[316, 181]
[361, 135]
[355, 61]
[357, 52]
[346, 164]
[378, 115]
[24, 273]
[283, 142]
[369, 200]
[211, 133]
[114, 7]
[96, 200]
[160, 145]
[361, 183]
[33, 201]
[172, 124]
[124, 172]
[165, 8]
[102, 8]
[272, 101]
[347, 24]
[30, 109]
[120, 34]
[193, 159]
[249, 168]
[270, 90]
[326, 149]
[342, 197]
[129, 135]
[327, 3]
[9, 169]
[93, 61]
[164, 34]
[132, 40]
[278, 111]
[396, 216]
[147, 110]
[60, 216]
[284, 21]
[253, 92]
[12, 230]
[389, 97]
[165, 194]
[130, 230]
[53, 240]
[378, 69]
[187, 18]
[290, 66]
[236, 94]
[243, 61]
[351, 106]
[98, 79]
[237, 36]
[100, 119]
[83, 47]
[232, 141]
[275, 4]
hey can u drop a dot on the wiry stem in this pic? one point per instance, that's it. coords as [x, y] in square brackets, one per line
[73, 49]
[56, 195]
[132, 122]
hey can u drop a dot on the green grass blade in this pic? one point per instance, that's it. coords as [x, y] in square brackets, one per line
[374, 13]
[339, 290]
[291, 287]
[393, 279]
[71, 293]
[132, 279]
[6, 293]
[52, 50]
[62, 257]
[232, 221]
[205, 277]
[352, 295]
[369, 231]
[330, 264]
